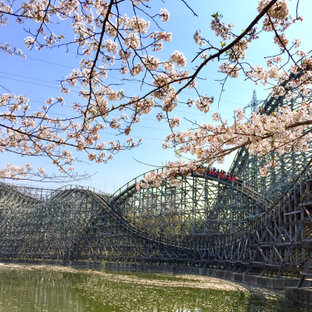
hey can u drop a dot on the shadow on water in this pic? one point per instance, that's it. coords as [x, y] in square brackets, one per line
[26, 289]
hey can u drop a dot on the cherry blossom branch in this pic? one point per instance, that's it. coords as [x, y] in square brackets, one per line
[229, 46]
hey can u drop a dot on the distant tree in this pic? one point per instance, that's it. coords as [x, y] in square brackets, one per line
[108, 40]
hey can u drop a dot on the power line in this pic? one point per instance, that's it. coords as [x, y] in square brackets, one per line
[57, 87]
[114, 77]
[30, 82]
[28, 77]
[48, 62]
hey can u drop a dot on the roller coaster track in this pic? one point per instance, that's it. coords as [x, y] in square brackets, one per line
[130, 187]
[184, 224]
[277, 239]
[104, 208]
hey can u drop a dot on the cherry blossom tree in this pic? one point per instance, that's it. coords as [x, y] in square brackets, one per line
[107, 40]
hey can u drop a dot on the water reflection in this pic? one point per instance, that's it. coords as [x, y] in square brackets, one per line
[42, 291]
[33, 289]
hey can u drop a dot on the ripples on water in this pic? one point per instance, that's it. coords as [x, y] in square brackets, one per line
[35, 289]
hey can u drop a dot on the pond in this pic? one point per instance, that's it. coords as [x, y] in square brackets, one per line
[59, 289]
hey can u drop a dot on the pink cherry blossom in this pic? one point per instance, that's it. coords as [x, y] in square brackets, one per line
[110, 39]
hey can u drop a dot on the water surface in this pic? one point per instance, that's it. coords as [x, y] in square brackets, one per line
[57, 289]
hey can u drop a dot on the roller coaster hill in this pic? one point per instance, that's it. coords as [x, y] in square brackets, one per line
[262, 225]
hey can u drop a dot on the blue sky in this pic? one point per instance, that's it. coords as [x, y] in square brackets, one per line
[37, 77]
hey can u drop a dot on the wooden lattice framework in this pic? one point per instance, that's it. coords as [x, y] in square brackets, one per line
[261, 225]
